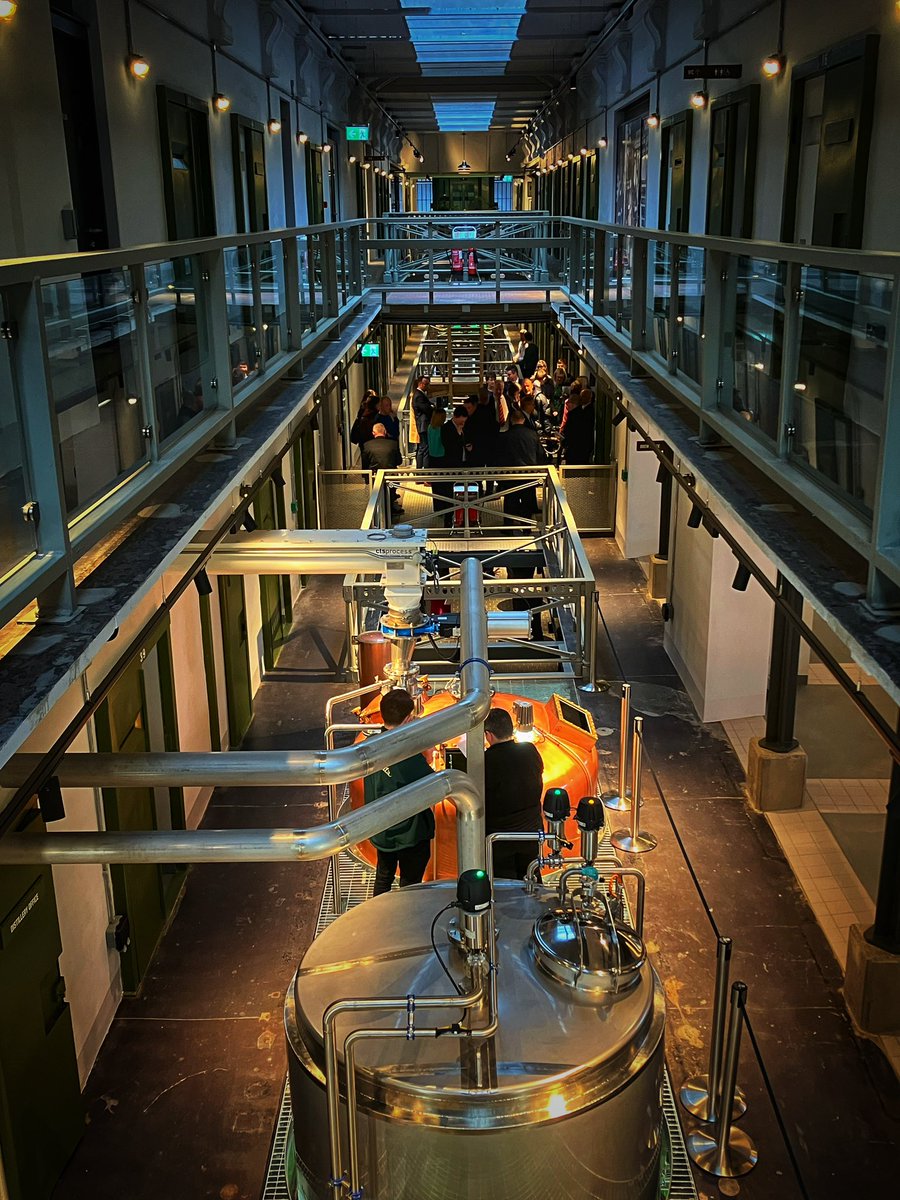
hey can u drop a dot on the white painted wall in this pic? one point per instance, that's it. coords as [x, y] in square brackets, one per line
[640, 500]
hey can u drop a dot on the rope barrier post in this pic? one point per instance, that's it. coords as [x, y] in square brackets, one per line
[593, 634]
[700, 1094]
[618, 801]
[730, 1152]
[632, 841]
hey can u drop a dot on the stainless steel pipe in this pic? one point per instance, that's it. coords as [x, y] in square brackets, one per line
[265, 845]
[271, 768]
[632, 840]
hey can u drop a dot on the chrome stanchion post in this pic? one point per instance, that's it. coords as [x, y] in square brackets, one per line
[619, 801]
[700, 1094]
[632, 841]
[593, 631]
[731, 1152]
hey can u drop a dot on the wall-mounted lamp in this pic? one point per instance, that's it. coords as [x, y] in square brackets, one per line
[700, 99]
[741, 578]
[653, 121]
[273, 124]
[7, 9]
[221, 102]
[774, 64]
[137, 65]
[302, 138]
[326, 147]
[352, 158]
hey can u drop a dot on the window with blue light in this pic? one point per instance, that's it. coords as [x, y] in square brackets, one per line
[464, 35]
[464, 116]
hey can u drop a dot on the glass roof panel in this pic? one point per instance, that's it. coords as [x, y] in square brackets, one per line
[457, 117]
[465, 35]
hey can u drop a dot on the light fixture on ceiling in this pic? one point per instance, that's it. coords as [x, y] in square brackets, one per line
[464, 167]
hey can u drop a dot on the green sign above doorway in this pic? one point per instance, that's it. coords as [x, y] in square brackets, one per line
[357, 133]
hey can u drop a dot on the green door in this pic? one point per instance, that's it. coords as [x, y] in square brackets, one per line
[274, 590]
[144, 893]
[41, 1112]
[238, 685]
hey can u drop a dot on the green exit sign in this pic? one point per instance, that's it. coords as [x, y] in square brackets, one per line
[357, 133]
[507, 178]
[370, 350]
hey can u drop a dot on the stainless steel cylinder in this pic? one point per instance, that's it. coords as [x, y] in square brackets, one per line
[440, 1117]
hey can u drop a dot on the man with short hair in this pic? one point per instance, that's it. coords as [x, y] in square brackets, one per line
[513, 789]
[422, 407]
[408, 843]
[527, 354]
[381, 453]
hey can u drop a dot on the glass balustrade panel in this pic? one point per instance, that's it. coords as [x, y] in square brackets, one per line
[179, 344]
[17, 534]
[839, 390]
[94, 380]
[753, 343]
[274, 299]
[243, 339]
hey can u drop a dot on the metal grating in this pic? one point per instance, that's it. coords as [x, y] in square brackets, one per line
[356, 884]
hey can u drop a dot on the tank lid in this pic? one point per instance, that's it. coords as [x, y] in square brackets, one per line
[583, 951]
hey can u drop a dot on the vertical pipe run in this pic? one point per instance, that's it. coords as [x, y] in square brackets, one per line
[620, 802]
[637, 756]
[701, 1094]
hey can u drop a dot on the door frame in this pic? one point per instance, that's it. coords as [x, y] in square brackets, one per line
[746, 95]
[205, 198]
[864, 47]
[686, 118]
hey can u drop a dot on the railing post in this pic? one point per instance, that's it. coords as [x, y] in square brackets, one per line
[142, 337]
[790, 357]
[497, 264]
[311, 253]
[256, 277]
[715, 322]
[330, 298]
[40, 443]
[212, 270]
[598, 299]
[292, 304]
[356, 266]
[673, 323]
[639, 281]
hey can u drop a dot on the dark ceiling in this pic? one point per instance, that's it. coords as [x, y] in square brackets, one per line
[493, 61]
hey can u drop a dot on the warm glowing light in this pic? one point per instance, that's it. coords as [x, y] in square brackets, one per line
[7, 9]
[221, 103]
[138, 66]
[799, 387]
[132, 400]
[758, 366]
[326, 147]
[302, 137]
[353, 158]
[274, 125]
[367, 166]
[557, 1106]
[699, 99]
[603, 142]
[653, 120]
[773, 66]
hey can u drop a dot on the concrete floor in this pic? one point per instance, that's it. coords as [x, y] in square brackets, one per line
[183, 1098]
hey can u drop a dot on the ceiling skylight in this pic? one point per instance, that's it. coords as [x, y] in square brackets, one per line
[462, 116]
[459, 36]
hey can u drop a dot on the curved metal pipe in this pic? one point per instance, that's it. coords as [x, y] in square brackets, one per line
[271, 768]
[265, 845]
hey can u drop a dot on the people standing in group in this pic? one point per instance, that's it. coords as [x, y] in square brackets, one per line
[511, 386]
[580, 432]
[494, 388]
[482, 431]
[520, 446]
[388, 418]
[382, 453]
[527, 355]
[441, 489]
[542, 377]
[513, 789]
[407, 844]
[361, 429]
[422, 407]
[455, 439]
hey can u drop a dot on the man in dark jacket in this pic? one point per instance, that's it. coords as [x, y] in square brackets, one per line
[381, 453]
[454, 435]
[422, 407]
[407, 844]
[513, 788]
[580, 430]
[520, 446]
[529, 355]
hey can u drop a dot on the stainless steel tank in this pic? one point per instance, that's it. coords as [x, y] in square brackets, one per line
[563, 1103]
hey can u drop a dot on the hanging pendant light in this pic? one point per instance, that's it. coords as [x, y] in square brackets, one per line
[464, 167]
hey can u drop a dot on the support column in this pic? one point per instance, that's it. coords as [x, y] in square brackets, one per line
[776, 767]
[658, 581]
[872, 980]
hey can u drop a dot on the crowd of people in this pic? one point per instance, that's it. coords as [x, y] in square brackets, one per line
[527, 417]
[513, 779]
